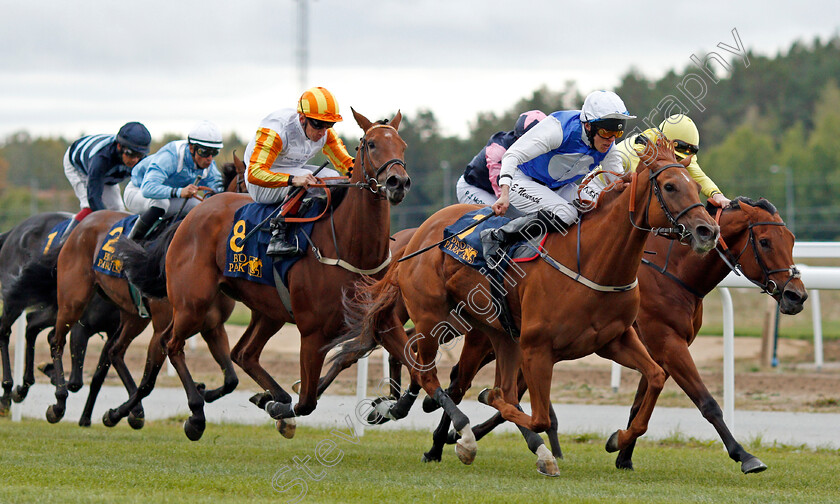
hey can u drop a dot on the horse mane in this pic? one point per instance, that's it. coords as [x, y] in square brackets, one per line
[737, 201]
[144, 266]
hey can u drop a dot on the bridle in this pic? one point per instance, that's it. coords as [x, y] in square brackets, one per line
[369, 171]
[768, 286]
[677, 231]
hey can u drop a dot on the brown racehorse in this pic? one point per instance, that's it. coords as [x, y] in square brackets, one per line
[559, 318]
[77, 282]
[196, 260]
[753, 240]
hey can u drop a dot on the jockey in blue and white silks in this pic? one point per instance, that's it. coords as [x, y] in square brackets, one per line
[164, 183]
[541, 170]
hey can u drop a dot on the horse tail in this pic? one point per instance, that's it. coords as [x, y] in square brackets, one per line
[38, 279]
[144, 266]
[365, 313]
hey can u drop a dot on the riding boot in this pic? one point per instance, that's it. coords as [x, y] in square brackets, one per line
[144, 223]
[280, 245]
[495, 241]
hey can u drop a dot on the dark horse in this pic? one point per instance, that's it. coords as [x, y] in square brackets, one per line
[76, 284]
[559, 317]
[753, 241]
[357, 234]
[20, 247]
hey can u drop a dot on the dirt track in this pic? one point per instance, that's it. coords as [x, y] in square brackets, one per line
[793, 386]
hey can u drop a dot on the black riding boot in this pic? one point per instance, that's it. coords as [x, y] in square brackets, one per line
[145, 222]
[280, 244]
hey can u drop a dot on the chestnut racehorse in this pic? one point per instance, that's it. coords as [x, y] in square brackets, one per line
[558, 317]
[77, 282]
[357, 234]
[753, 241]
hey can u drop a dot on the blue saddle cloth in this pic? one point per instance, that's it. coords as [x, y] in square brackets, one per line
[248, 260]
[466, 246]
[54, 234]
[104, 260]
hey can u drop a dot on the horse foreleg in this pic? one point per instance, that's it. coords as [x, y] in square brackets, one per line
[194, 425]
[10, 314]
[629, 351]
[624, 460]
[99, 375]
[678, 362]
[155, 357]
[35, 323]
[217, 343]
[246, 354]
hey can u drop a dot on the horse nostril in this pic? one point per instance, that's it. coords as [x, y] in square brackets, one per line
[705, 232]
[407, 185]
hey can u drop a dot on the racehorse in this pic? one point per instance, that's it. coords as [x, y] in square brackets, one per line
[673, 282]
[19, 248]
[77, 281]
[195, 263]
[559, 317]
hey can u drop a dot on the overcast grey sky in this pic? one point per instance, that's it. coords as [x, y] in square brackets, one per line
[88, 66]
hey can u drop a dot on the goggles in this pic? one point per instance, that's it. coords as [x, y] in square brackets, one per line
[607, 134]
[206, 152]
[318, 124]
[685, 148]
[132, 153]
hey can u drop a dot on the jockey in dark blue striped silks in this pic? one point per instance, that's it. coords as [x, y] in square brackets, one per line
[96, 164]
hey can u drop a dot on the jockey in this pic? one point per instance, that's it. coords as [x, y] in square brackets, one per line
[96, 164]
[682, 132]
[163, 184]
[541, 170]
[479, 183]
[285, 140]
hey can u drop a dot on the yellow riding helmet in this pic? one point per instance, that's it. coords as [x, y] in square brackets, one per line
[680, 127]
[318, 103]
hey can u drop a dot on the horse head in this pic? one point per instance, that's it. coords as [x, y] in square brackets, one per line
[755, 239]
[381, 156]
[233, 175]
[679, 212]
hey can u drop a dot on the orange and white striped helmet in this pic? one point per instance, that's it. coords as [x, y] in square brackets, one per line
[318, 103]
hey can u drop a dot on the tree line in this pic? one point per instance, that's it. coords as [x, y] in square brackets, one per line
[768, 129]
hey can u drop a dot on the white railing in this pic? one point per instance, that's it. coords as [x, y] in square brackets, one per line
[814, 278]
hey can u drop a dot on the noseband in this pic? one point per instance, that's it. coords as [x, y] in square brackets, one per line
[677, 231]
[769, 286]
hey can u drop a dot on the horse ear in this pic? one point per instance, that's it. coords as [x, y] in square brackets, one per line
[686, 160]
[395, 122]
[361, 120]
[238, 163]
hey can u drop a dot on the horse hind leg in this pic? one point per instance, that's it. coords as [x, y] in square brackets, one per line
[36, 321]
[624, 460]
[10, 314]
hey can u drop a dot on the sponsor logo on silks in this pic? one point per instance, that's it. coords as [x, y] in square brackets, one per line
[465, 252]
[244, 263]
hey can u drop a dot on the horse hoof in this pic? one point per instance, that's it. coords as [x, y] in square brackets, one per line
[19, 394]
[627, 465]
[261, 399]
[46, 368]
[429, 404]
[430, 457]
[286, 427]
[193, 429]
[136, 421]
[465, 454]
[752, 465]
[483, 396]
[452, 437]
[74, 387]
[84, 422]
[548, 468]
[108, 420]
[54, 416]
[296, 387]
[612, 443]
[200, 387]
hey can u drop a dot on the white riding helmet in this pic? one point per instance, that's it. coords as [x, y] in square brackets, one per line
[600, 105]
[206, 134]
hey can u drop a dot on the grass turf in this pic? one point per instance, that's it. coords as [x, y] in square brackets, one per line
[232, 463]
